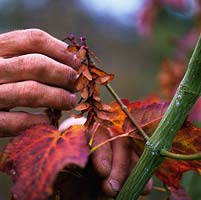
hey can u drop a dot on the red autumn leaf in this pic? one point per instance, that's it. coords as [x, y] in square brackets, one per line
[178, 194]
[35, 157]
[186, 142]
[146, 115]
[117, 116]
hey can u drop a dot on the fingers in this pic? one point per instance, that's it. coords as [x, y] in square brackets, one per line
[13, 122]
[120, 167]
[35, 41]
[148, 187]
[34, 94]
[102, 158]
[114, 162]
[39, 68]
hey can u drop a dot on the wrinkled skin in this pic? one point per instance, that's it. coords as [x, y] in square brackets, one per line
[112, 163]
[36, 70]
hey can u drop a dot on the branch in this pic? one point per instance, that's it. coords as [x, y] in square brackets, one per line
[184, 99]
[168, 154]
[125, 110]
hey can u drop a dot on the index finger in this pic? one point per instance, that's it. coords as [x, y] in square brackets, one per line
[27, 41]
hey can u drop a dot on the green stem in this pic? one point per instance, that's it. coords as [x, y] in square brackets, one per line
[125, 110]
[168, 154]
[187, 94]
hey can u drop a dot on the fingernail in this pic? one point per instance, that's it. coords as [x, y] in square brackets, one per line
[106, 165]
[115, 185]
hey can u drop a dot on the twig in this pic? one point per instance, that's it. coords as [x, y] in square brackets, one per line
[160, 189]
[109, 140]
[168, 154]
[125, 110]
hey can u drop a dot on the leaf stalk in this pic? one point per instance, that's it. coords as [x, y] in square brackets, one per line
[168, 154]
[126, 111]
[109, 140]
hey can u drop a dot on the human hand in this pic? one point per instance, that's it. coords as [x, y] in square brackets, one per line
[36, 70]
[113, 161]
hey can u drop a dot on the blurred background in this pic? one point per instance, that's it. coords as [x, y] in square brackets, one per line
[132, 38]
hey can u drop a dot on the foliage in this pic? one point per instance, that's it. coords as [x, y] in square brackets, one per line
[37, 155]
[50, 151]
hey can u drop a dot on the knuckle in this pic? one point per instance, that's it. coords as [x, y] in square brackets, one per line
[28, 90]
[32, 86]
[38, 64]
[26, 65]
[36, 36]
[21, 63]
[22, 90]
